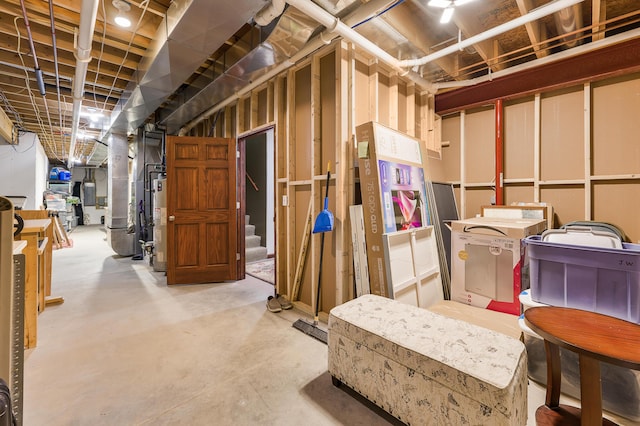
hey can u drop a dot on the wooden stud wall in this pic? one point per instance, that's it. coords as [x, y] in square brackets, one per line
[314, 108]
[575, 149]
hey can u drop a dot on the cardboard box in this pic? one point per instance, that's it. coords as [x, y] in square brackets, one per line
[487, 261]
[393, 191]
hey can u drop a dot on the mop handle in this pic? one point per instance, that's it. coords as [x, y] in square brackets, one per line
[326, 206]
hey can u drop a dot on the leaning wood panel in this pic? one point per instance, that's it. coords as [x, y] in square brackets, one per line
[562, 135]
[302, 197]
[479, 146]
[618, 202]
[518, 139]
[616, 126]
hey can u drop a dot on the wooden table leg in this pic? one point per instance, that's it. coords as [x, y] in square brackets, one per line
[590, 391]
[554, 379]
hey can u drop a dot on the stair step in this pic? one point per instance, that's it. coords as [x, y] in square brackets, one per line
[252, 241]
[249, 230]
[254, 254]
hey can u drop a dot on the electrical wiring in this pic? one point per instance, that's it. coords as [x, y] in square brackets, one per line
[378, 14]
[48, 137]
[124, 57]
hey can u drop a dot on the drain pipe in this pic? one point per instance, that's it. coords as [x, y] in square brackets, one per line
[533, 15]
[334, 25]
[82, 43]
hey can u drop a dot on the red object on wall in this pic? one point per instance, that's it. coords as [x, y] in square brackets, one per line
[499, 154]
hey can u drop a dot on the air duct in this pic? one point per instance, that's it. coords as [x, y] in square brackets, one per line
[567, 22]
[120, 237]
[190, 32]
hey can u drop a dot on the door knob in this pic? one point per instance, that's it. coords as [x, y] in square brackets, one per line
[172, 218]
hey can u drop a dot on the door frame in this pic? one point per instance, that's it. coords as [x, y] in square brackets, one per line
[242, 188]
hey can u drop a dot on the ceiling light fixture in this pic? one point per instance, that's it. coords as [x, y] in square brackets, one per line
[123, 7]
[448, 6]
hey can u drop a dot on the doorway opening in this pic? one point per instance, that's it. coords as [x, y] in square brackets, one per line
[259, 202]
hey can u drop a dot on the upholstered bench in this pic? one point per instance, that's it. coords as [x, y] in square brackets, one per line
[427, 369]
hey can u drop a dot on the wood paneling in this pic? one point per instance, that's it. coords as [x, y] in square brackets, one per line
[479, 146]
[567, 202]
[618, 202]
[518, 139]
[616, 126]
[562, 135]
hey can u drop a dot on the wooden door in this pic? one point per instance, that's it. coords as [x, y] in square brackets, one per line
[202, 232]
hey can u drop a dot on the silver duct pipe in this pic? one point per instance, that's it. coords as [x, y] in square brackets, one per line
[83, 40]
[567, 22]
[533, 15]
[120, 238]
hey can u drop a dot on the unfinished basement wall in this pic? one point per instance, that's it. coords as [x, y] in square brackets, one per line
[314, 108]
[576, 149]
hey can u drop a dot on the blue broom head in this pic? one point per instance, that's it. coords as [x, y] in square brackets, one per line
[324, 221]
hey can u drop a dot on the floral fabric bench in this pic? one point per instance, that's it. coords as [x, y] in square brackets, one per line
[427, 369]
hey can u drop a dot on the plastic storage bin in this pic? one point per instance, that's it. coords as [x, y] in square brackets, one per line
[604, 280]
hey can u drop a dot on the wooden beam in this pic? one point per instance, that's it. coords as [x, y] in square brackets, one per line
[598, 15]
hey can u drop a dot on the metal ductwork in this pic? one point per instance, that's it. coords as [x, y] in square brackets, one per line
[120, 236]
[287, 37]
[567, 22]
[190, 32]
[286, 44]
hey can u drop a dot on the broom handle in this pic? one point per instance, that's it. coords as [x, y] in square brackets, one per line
[315, 318]
[326, 199]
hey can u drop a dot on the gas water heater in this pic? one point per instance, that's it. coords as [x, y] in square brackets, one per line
[160, 224]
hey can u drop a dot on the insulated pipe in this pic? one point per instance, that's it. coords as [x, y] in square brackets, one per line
[499, 154]
[269, 12]
[533, 15]
[83, 40]
[334, 24]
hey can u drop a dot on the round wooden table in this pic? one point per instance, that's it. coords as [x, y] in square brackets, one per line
[594, 337]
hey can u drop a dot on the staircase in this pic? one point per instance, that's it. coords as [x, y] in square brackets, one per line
[253, 250]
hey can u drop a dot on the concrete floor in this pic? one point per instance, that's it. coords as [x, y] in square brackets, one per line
[125, 349]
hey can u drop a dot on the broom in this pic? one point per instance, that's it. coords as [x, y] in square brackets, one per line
[323, 224]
